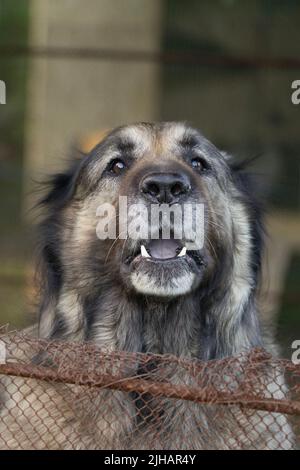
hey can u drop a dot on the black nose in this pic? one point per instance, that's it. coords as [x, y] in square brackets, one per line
[165, 187]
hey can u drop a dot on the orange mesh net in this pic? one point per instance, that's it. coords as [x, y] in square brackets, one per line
[60, 395]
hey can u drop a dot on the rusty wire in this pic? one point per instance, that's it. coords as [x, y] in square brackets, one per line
[56, 394]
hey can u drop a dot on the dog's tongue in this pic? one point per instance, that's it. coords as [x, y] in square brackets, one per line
[163, 249]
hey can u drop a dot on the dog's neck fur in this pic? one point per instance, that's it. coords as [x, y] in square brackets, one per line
[188, 326]
[152, 326]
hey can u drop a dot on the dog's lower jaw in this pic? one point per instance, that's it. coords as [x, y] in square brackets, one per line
[147, 285]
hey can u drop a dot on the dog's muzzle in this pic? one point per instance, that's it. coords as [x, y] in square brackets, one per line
[164, 268]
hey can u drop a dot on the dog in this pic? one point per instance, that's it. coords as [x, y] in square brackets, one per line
[195, 298]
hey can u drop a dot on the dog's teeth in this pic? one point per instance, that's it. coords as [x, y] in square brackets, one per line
[144, 252]
[183, 252]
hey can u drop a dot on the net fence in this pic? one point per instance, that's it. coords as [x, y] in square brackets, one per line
[61, 395]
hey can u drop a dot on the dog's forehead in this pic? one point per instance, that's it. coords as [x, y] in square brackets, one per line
[142, 141]
[157, 138]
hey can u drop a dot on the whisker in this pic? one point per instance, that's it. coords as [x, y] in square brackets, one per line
[113, 243]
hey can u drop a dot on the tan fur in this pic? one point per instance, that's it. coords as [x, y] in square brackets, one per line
[203, 309]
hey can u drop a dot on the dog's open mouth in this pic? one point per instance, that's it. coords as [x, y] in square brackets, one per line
[164, 252]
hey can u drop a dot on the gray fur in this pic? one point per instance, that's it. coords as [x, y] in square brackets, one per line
[89, 293]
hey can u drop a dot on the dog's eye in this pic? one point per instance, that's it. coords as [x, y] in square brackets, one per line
[117, 166]
[199, 164]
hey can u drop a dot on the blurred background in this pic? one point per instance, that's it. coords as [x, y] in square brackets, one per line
[74, 68]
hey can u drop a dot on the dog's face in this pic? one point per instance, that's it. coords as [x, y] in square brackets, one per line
[154, 165]
[168, 166]
[98, 282]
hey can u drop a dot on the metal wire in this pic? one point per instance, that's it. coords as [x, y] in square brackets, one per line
[56, 394]
[179, 58]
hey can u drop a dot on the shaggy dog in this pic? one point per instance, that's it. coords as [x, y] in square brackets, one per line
[190, 298]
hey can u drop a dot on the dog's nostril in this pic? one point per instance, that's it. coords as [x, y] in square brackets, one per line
[153, 189]
[177, 189]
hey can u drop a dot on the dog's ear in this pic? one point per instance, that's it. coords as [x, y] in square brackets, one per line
[61, 187]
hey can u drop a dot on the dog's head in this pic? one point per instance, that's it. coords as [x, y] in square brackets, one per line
[156, 206]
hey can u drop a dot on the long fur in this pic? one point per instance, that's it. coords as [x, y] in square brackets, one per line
[84, 297]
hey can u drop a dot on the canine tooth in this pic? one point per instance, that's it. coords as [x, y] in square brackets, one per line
[144, 252]
[183, 252]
